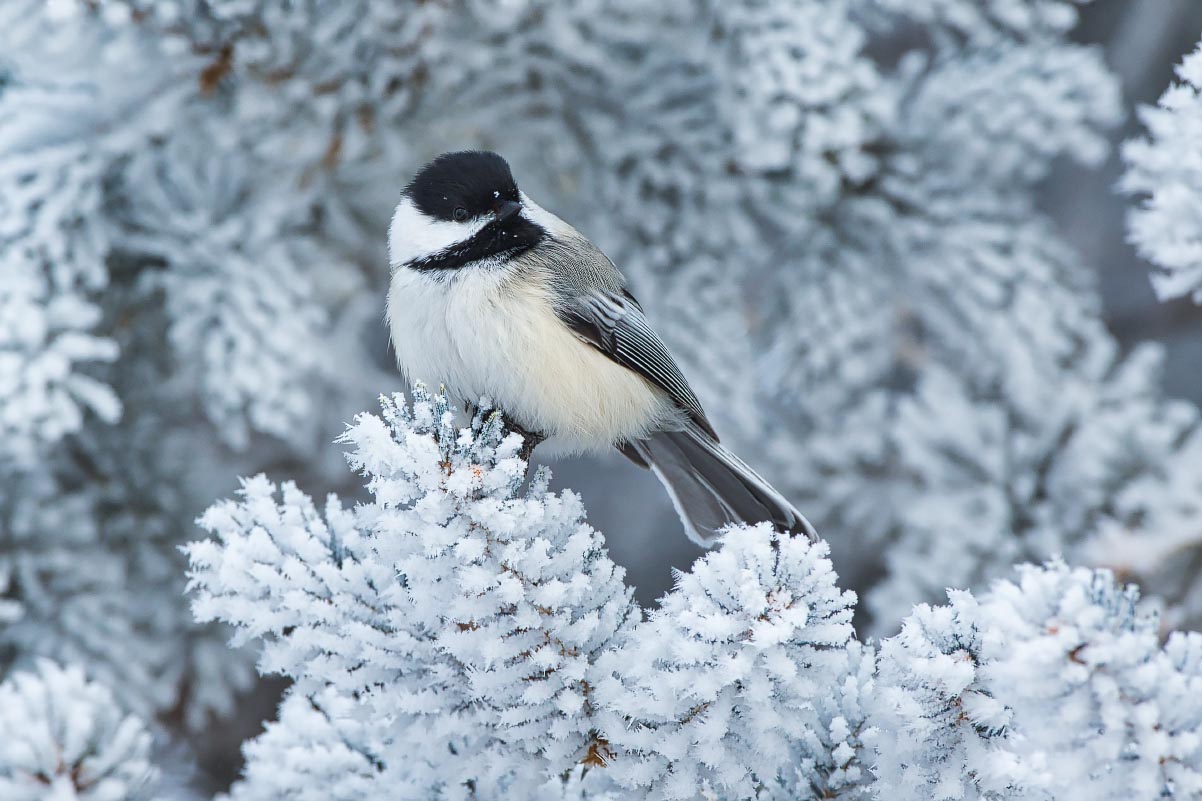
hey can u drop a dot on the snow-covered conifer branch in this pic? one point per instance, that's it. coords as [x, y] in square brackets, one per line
[192, 200]
[239, 295]
[465, 611]
[460, 634]
[1164, 170]
[1052, 685]
[65, 738]
[742, 681]
[1081, 474]
[76, 95]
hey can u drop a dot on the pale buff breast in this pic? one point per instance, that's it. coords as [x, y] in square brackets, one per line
[491, 334]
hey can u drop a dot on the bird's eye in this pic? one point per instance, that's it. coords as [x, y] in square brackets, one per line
[460, 214]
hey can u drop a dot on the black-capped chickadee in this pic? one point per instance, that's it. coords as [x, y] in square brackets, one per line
[492, 295]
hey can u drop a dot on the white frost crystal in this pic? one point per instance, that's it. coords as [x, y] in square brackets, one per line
[1164, 169]
[63, 738]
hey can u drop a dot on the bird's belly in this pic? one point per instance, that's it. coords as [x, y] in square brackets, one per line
[488, 340]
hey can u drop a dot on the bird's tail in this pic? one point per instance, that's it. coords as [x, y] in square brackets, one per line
[711, 487]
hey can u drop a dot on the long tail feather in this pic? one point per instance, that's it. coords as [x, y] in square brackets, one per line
[712, 488]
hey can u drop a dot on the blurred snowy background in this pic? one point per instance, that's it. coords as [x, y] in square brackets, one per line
[887, 239]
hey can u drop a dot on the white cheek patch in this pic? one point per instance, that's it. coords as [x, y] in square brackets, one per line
[413, 235]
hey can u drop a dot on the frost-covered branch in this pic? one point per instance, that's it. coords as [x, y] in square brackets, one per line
[744, 680]
[1101, 469]
[64, 737]
[462, 635]
[1164, 170]
[1053, 685]
[192, 196]
[468, 613]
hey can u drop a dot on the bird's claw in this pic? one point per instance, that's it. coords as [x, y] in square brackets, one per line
[530, 441]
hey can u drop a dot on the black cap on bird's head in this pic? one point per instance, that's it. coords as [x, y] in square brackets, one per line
[460, 186]
[460, 210]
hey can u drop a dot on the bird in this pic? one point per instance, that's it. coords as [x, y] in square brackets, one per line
[491, 295]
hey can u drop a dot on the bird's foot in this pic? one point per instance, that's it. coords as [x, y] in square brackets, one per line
[530, 441]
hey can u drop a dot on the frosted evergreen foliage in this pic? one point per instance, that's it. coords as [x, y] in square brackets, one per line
[1073, 479]
[79, 597]
[936, 270]
[721, 691]
[239, 295]
[941, 239]
[464, 613]
[1164, 170]
[461, 636]
[67, 86]
[43, 336]
[121, 234]
[1052, 685]
[192, 201]
[320, 747]
[338, 65]
[65, 738]
[1155, 537]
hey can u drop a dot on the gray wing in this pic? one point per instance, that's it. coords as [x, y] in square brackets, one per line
[614, 323]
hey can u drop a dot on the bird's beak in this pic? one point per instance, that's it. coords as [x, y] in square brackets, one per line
[507, 209]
